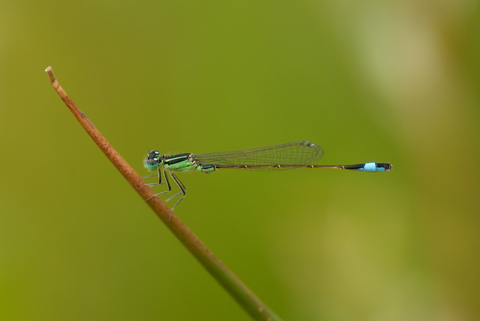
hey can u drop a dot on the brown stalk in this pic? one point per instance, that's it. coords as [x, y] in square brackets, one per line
[240, 292]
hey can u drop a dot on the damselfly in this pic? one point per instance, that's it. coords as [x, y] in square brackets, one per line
[302, 154]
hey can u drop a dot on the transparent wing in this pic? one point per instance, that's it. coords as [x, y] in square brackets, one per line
[297, 153]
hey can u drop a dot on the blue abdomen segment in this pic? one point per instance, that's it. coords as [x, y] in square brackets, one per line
[370, 167]
[377, 167]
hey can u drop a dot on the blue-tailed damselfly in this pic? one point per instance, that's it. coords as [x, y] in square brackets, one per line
[302, 154]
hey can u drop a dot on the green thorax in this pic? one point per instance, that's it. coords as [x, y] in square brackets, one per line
[180, 162]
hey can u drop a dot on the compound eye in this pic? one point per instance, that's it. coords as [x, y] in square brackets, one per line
[153, 154]
[152, 161]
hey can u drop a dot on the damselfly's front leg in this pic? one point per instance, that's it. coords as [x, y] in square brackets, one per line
[160, 183]
[180, 185]
[159, 175]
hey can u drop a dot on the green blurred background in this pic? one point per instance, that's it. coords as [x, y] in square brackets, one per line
[367, 80]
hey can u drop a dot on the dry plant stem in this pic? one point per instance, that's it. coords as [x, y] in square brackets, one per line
[246, 298]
